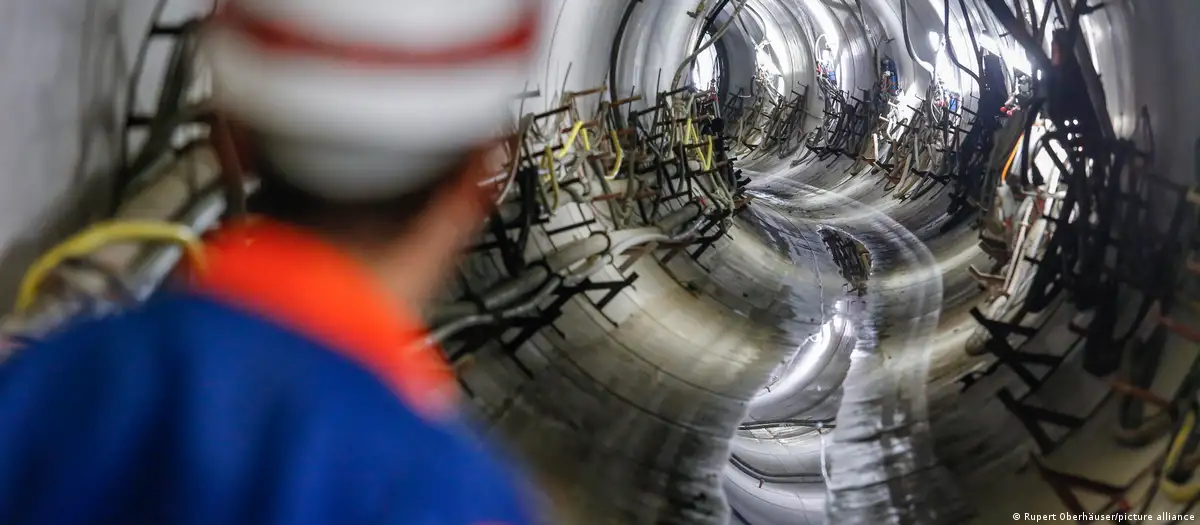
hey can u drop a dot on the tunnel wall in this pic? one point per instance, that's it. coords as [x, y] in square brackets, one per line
[639, 395]
[643, 393]
[66, 64]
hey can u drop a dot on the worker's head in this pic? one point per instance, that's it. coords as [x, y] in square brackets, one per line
[369, 120]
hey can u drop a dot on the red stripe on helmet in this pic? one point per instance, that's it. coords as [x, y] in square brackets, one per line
[283, 38]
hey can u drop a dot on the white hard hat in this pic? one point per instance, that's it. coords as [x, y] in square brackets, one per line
[359, 99]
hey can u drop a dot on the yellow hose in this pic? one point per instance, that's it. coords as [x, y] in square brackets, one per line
[587, 140]
[570, 139]
[1179, 493]
[708, 156]
[96, 237]
[616, 169]
[1011, 156]
[553, 177]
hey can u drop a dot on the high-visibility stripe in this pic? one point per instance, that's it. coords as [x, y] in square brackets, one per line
[279, 37]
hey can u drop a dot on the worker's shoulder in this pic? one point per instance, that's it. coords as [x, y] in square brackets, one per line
[224, 363]
[263, 396]
[202, 343]
[351, 403]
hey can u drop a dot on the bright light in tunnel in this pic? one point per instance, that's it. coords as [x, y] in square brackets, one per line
[1014, 58]
[988, 43]
[767, 63]
[946, 71]
[797, 371]
[704, 69]
[910, 96]
[935, 40]
[830, 28]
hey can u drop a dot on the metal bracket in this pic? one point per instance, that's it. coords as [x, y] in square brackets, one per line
[612, 287]
[1032, 418]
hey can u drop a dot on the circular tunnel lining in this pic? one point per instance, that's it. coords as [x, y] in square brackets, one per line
[646, 392]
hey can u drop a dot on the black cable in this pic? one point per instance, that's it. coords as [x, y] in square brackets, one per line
[1032, 20]
[1041, 28]
[907, 41]
[708, 22]
[513, 253]
[1034, 108]
[615, 53]
[171, 112]
[950, 47]
[1020, 32]
[131, 91]
[971, 33]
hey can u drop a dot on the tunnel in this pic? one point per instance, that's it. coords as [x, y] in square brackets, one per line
[840, 348]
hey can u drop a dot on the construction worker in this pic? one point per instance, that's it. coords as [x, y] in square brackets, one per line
[290, 382]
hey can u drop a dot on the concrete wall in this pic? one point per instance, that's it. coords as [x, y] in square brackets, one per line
[66, 65]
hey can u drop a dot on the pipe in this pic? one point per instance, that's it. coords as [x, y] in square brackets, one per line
[441, 333]
[550, 282]
[587, 249]
[618, 39]
[170, 197]
[97, 236]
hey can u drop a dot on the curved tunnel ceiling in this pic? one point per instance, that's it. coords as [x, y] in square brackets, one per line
[763, 380]
[751, 379]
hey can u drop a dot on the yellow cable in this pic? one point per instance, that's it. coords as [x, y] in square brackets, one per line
[616, 169]
[1180, 493]
[587, 140]
[99, 235]
[570, 139]
[709, 155]
[1173, 453]
[553, 176]
[1011, 156]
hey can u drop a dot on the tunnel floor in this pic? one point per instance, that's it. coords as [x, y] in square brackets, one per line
[640, 426]
[882, 440]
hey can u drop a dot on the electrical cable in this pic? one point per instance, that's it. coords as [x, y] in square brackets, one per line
[99, 235]
[717, 36]
[522, 129]
[571, 138]
[949, 43]
[555, 271]
[131, 88]
[553, 175]
[971, 33]
[708, 22]
[908, 39]
[513, 254]
[173, 110]
[616, 144]
[615, 54]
